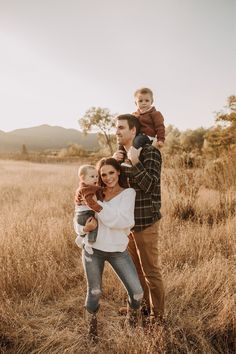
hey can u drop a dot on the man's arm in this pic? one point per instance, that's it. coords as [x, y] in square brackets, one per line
[146, 169]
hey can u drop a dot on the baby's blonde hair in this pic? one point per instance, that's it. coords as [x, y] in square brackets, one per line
[83, 170]
[143, 91]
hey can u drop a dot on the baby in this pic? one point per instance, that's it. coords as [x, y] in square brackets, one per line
[86, 199]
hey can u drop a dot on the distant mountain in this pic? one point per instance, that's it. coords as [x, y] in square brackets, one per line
[45, 137]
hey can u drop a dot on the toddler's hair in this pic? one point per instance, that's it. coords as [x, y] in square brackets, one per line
[144, 91]
[83, 170]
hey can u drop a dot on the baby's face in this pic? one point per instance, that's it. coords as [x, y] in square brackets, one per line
[91, 177]
[143, 101]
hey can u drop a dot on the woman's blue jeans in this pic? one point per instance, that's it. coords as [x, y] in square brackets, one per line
[123, 266]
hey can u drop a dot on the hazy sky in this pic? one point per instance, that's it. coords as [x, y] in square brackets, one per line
[60, 57]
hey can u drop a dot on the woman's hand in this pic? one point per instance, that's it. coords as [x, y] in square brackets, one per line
[90, 225]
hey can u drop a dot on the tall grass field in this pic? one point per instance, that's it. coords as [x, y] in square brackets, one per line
[42, 284]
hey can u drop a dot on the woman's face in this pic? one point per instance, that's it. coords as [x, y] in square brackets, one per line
[109, 175]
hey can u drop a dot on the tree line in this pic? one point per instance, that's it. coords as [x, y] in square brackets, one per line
[214, 141]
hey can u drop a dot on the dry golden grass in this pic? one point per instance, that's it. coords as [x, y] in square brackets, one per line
[42, 286]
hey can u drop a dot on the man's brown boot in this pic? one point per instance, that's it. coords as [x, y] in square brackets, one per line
[145, 315]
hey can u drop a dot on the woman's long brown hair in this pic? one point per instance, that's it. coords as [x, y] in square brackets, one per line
[114, 163]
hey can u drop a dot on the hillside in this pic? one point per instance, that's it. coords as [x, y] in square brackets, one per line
[45, 137]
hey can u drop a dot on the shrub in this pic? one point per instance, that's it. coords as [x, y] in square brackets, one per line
[220, 174]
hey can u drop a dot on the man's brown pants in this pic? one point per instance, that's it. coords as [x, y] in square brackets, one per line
[143, 248]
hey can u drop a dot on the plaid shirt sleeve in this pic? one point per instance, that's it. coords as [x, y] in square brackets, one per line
[147, 171]
[144, 177]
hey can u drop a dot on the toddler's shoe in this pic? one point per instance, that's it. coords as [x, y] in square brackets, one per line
[127, 163]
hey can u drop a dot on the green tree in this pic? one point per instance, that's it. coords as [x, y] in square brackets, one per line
[101, 120]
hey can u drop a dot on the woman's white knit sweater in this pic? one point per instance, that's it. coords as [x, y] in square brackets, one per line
[114, 223]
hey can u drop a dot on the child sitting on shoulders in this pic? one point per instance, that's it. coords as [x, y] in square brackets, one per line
[152, 129]
[151, 120]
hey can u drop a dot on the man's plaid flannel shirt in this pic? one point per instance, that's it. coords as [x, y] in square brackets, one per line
[145, 177]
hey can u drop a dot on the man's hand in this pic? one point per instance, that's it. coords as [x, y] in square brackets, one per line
[133, 155]
[118, 155]
[90, 225]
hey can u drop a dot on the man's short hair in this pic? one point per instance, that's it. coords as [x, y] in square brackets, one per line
[131, 120]
[144, 91]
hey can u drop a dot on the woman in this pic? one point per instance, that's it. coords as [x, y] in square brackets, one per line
[114, 223]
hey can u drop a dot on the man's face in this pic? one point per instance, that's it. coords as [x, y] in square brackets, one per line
[124, 134]
[143, 101]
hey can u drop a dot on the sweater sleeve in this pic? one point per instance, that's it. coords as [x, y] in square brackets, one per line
[92, 203]
[119, 215]
[158, 122]
[88, 193]
[77, 227]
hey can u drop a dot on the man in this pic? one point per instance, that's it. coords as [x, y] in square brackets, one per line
[144, 177]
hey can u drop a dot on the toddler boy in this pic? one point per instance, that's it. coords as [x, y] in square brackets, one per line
[151, 120]
[152, 130]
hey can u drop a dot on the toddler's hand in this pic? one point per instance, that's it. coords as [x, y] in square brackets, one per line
[157, 144]
[94, 197]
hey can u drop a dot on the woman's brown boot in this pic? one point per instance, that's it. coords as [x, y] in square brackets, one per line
[133, 317]
[91, 319]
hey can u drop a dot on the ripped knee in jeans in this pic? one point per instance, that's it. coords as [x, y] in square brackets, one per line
[96, 292]
[88, 259]
[138, 297]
